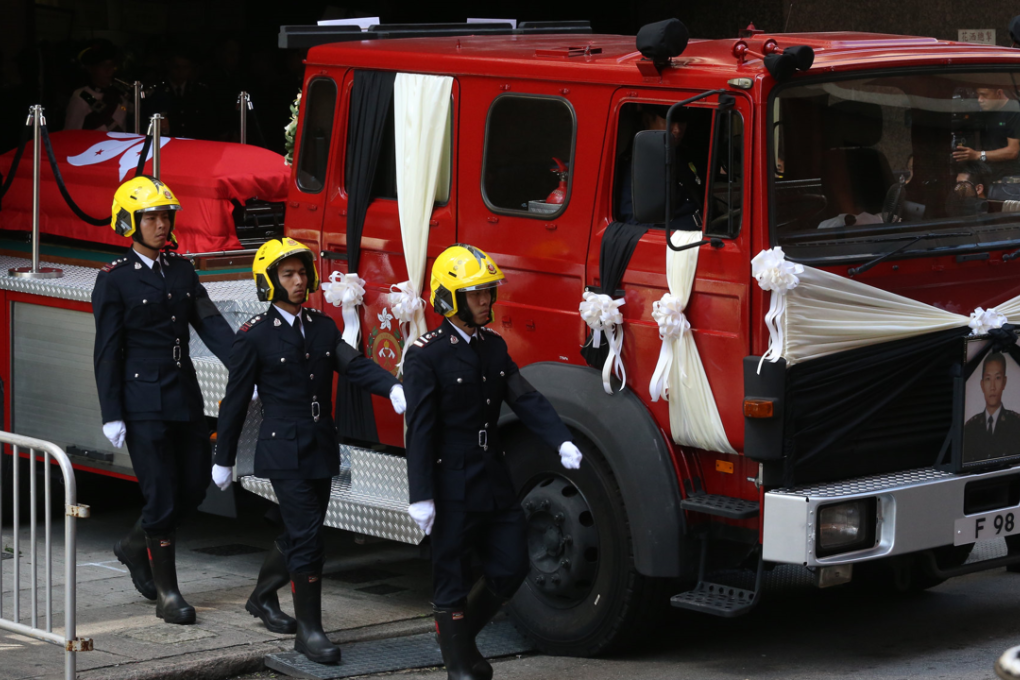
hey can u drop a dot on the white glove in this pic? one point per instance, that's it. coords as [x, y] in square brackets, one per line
[223, 476]
[397, 399]
[570, 456]
[424, 514]
[255, 393]
[115, 432]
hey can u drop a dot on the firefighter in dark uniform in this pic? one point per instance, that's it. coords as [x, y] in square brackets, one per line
[148, 392]
[456, 378]
[290, 353]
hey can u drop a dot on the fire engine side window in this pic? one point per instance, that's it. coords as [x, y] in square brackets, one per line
[726, 181]
[529, 148]
[315, 135]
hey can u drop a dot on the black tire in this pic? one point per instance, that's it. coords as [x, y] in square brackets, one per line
[909, 574]
[598, 603]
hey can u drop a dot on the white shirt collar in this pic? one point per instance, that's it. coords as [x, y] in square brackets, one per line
[994, 416]
[467, 338]
[148, 262]
[289, 318]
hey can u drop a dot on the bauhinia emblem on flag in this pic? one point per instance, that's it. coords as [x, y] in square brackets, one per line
[124, 144]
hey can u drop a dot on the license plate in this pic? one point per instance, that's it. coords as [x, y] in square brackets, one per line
[986, 527]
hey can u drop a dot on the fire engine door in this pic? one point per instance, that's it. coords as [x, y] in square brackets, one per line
[711, 155]
[528, 171]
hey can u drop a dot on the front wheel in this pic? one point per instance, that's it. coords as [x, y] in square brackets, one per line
[582, 596]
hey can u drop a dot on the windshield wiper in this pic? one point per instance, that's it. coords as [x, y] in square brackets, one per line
[853, 271]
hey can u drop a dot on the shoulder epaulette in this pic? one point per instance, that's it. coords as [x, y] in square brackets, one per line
[252, 322]
[489, 330]
[313, 310]
[428, 338]
[979, 418]
[113, 265]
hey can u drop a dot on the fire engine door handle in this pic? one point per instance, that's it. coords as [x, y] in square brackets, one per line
[530, 324]
[507, 322]
[433, 223]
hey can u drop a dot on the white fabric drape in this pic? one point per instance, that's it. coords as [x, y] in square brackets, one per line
[824, 313]
[603, 316]
[680, 376]
[421, 107]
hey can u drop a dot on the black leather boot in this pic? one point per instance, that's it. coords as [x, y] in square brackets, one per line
[456, 643]
[264, 603]
[133, 554]
[170, 604]
[311, 640]
[482, 605]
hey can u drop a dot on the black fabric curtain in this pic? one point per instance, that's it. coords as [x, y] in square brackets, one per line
[618, 244]
[370, 102]
[871, 410]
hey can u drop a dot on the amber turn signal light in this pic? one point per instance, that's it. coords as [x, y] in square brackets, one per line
[758, 408]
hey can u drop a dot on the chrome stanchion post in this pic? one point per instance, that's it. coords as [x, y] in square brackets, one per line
[155, 124]
[35, 116]
[244, 105]
[139, 96]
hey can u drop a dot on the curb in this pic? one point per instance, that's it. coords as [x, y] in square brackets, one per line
[224, 663]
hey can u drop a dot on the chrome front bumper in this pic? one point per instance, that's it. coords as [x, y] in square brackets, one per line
[916, 510]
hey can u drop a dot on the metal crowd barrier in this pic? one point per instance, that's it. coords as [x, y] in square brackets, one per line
[44, 452]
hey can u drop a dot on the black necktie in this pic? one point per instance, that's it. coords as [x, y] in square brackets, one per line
[156, 268]
[476, 346]
[297, 326]
[991, 425]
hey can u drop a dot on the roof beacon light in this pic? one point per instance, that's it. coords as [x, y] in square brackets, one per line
[661, 41]
[781, 63]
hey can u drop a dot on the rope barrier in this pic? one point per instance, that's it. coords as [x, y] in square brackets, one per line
[95, 222]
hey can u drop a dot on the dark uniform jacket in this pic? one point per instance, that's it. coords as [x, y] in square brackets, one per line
[454, 395]
[297, 438]
[978, 444]
[143, 367]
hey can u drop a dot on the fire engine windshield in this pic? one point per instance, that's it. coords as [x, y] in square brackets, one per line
[860, 166]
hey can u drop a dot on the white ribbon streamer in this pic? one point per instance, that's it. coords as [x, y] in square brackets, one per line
[346, 291]
[602, 314]
[984, 320]
[668, 312]
[775, 274]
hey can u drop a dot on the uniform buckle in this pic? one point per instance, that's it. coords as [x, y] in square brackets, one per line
[483, 439]
[315, 411]
[177, 352]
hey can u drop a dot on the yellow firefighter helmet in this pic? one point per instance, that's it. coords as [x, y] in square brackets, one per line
[458, 269]
[269, 256]
[139, 195]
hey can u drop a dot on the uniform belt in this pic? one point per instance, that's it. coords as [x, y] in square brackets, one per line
[314, 410]
[467, 438]
[172, 353]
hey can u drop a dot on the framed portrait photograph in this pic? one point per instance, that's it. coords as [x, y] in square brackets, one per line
[991, 407]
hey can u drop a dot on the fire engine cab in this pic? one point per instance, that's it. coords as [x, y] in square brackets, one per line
[763, 280]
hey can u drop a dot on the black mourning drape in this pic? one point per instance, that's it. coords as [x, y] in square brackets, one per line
[871, 410]
[370, 102]
[618, 244]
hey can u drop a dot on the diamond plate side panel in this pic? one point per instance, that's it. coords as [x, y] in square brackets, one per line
[212, 378]
[76, 283]
[372, 502]
[244, 464]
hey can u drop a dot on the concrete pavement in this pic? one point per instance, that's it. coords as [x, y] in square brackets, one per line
[371, 589]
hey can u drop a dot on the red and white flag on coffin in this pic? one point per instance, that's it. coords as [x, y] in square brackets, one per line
[205, 176]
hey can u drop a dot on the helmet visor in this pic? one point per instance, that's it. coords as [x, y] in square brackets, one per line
[483, 286]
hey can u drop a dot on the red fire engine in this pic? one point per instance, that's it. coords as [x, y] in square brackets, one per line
[572, 159]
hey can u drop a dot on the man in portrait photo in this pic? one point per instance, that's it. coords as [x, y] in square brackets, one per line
[995, 431]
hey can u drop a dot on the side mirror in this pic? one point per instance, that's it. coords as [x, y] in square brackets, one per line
[648, 177]
[1014, 30]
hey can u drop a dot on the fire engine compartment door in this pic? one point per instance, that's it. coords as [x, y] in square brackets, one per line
[54, 393]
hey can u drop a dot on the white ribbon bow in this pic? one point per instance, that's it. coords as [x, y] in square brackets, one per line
[775, 274]
[669, 314]
[346, 291]
[984, 320]
[409, 310]
[602, 314]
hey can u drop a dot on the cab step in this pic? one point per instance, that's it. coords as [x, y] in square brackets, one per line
[719, 599]
[716, 599]
[720, 506]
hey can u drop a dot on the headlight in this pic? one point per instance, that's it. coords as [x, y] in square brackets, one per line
[844, 527]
